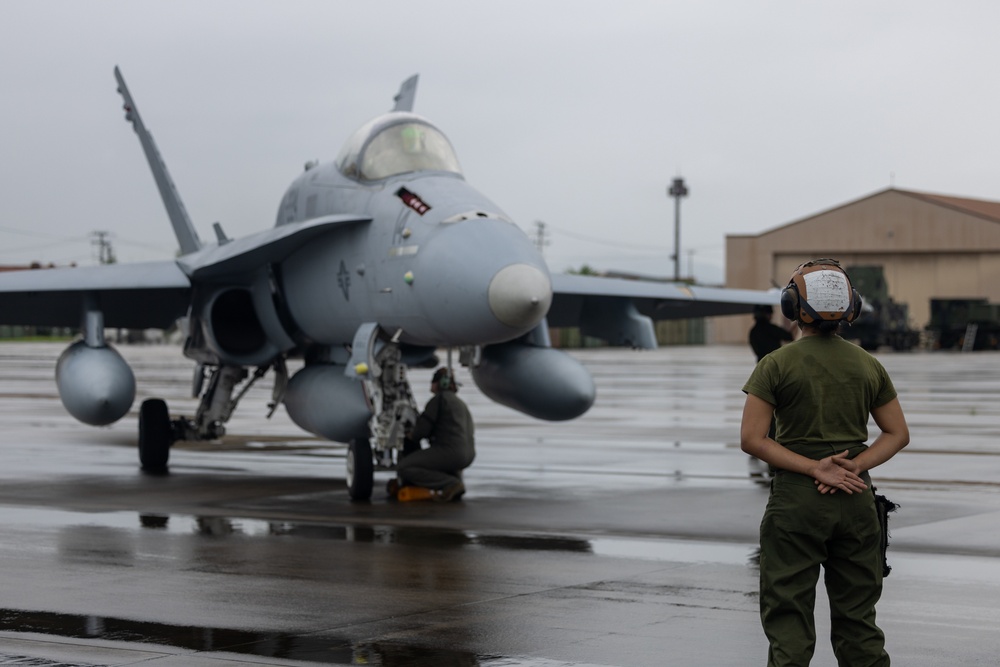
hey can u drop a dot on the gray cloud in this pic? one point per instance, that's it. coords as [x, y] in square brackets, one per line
[575, 113]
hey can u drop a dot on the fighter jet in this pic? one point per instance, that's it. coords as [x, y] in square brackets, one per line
[376, 262]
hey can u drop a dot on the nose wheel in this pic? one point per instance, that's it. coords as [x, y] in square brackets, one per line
[377, 362]
[360, 469]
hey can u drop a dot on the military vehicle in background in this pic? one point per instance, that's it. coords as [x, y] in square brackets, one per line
[971, 324]
[883, 321]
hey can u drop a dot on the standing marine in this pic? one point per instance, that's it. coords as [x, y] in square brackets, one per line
[822, 510]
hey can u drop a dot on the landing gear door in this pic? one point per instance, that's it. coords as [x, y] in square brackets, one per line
[363, 364]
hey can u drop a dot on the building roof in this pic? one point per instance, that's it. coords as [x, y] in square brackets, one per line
[980, 208]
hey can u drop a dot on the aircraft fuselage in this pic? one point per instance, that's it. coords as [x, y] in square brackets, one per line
[439, 262]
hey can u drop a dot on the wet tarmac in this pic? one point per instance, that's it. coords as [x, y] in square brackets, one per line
[626, 537]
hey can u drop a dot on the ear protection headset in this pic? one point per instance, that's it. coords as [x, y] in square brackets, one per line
[796, 307]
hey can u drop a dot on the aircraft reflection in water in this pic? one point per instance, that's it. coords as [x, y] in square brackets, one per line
[377, 260]
[304, 646]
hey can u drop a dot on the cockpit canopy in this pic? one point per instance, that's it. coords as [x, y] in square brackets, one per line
[396, 143]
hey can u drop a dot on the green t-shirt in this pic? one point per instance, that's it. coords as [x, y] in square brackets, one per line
[823, 389]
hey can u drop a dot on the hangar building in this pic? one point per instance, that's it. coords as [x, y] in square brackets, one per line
[930, 246]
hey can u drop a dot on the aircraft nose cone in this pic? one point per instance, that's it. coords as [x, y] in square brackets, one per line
[520, 295]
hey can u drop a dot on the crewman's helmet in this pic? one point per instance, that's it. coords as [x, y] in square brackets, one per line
[820, 290]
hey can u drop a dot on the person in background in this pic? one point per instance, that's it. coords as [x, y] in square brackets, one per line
[765, 336]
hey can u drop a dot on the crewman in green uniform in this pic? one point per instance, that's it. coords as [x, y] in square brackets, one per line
[765, 336]
[447, 425]
[821, 510]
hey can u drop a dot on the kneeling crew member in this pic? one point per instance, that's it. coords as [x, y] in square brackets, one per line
[447, 425]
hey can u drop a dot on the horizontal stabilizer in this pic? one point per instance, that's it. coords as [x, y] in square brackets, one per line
[574, 296]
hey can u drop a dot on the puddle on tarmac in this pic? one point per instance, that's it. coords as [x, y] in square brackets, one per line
[675, 550]
[975, 568]
[305, 647]
[310, 647]
[434, 537]
[28, 661]
[224, 527]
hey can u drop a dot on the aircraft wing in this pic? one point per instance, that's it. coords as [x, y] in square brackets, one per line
[146, 295]
[620, 310]
[272, 245]
[132, 296]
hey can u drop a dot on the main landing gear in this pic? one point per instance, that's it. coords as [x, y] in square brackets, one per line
[157, 432]
[155, 435]
[376, 362]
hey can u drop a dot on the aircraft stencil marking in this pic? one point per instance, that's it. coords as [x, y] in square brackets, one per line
[344, 280]
[401, 251]
[413, 201]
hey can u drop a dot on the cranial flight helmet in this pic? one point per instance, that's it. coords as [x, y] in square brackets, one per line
[820, 290]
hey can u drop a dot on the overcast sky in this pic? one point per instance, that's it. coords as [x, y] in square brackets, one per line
[575, 113]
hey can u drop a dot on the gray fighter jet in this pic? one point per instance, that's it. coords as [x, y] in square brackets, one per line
[377, 260]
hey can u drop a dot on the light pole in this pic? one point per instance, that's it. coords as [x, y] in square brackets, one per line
[677, 190]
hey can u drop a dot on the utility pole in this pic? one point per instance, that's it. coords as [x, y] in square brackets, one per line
[105, 253]
[541, 236]
[677, 190]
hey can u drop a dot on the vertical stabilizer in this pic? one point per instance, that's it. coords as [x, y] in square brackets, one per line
[407, 94]
[187, 237]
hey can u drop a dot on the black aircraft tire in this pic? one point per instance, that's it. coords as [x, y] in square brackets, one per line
[360, 469]
[154, 435]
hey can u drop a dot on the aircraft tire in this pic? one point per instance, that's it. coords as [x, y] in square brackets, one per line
[155, 435]
[360, 469]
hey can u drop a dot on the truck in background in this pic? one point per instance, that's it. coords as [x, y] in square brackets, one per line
[883, 321]
[969, 324]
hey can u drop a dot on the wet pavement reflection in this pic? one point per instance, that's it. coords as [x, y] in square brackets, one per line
[616, 539]
[310, 648]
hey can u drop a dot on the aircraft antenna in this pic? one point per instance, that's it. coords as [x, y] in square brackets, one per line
[187, 237]
[407, 94]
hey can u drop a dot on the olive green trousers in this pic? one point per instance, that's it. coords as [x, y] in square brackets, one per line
[802, 530]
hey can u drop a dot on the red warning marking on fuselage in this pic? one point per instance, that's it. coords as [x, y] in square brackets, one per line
[413, 201]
